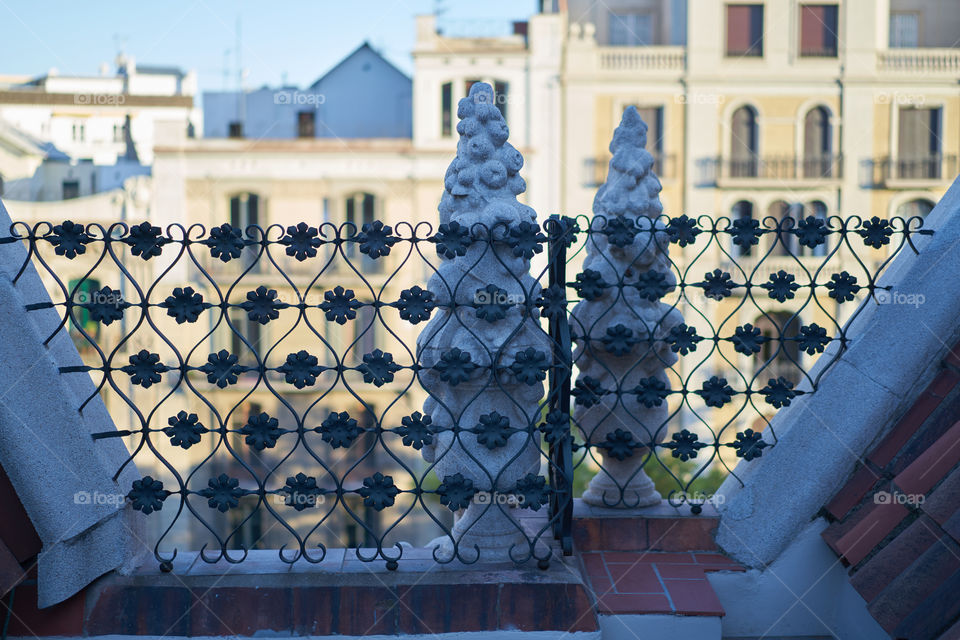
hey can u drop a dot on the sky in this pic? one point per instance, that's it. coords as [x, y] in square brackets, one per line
[283, 41]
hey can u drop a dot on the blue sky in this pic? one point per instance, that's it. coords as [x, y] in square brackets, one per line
[296, 40]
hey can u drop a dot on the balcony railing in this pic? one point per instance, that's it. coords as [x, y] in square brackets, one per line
[910, 171]
[225, 466]
[644, 58]
[784, 168]
[920, 60]
[595, 169]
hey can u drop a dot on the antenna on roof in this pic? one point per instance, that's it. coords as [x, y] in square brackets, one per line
[120, 45]
[226, 69]
[241, 108]
[238, 49]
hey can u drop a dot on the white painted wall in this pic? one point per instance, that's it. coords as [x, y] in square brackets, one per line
[804, 592]
[90, 126]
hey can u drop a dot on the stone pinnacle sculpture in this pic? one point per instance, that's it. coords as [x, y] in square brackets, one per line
[483, 355]
[621, 325]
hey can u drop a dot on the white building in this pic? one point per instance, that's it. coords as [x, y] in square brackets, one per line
[64, 137]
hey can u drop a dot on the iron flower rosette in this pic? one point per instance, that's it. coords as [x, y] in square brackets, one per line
[621, 325]
[475, 353]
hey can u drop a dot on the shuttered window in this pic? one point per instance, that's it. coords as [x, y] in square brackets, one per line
[818, 30]
[745, 30]
[919, 134]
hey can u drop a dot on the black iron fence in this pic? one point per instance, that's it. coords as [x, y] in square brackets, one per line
[905, 170]
[815, 167]
[289, 404]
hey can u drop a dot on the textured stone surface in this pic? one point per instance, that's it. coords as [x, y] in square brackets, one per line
[45, 444]
[629, 199]
[480, 190]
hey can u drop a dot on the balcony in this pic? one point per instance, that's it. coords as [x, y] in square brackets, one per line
[595, 169]
[586, 59]
[908, 173]
[772, 170]
[920, 61]
[631, 59]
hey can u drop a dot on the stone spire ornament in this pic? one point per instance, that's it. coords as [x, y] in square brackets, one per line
[483, 356]
[621, 325]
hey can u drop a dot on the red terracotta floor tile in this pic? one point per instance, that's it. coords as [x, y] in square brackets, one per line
[600, 585]
[713, 558]
[634, 603]
[681, 572]
[649, 556]
[594, 565]
[635, 578]
[694, 597]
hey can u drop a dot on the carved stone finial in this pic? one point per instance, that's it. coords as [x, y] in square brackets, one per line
[624, 322]
[481, 351]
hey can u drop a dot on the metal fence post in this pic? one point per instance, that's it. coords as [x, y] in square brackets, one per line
[561, 455]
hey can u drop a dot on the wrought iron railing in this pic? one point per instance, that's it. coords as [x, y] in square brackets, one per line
[908, 170]
[802, 168]
[307, 414]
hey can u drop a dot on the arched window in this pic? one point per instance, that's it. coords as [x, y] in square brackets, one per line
[744, 143]
[817, 144]
[741, 210]
[782, 353]
[786, 242]
[917, 207]
[816, 209]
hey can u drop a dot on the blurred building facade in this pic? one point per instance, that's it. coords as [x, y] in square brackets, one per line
[64, 137]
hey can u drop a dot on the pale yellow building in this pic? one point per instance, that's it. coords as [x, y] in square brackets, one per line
[766, 109]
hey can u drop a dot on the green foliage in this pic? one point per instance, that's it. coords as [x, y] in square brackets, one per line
[705, 484]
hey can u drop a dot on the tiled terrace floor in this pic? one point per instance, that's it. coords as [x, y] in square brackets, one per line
[635, 582]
